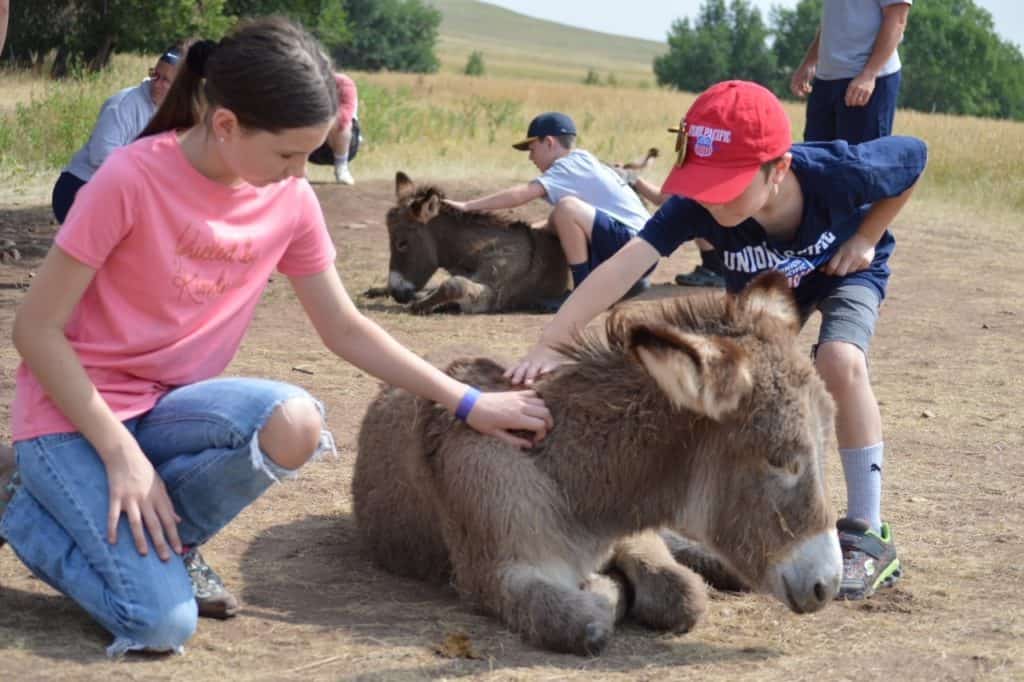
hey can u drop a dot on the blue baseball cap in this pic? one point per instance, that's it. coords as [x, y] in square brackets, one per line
[548, 124]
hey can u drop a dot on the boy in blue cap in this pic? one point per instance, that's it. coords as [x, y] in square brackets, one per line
[595, 213]
[819, 213]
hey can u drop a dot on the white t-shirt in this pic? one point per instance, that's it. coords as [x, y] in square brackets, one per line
[848, 32]
[580, 174]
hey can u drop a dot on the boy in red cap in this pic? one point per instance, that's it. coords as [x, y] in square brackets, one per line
[819, 213]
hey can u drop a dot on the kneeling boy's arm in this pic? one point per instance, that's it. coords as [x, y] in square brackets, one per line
[602, 288]
[507, 198]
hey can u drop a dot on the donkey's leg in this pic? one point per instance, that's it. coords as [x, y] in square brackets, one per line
[470, 296]
[614, 587]
[693, 555]
[544, 605]
[666, 595]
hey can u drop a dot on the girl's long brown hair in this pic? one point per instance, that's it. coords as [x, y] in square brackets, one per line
[269, 72]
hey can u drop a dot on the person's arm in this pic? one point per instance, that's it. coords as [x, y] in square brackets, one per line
[506, 198]
[349, 334]
[858, 251]
[894, 22]
[5, 11]
[649, 191]
[800, 83]
[112, 131]
[135, 489]
[602, 288]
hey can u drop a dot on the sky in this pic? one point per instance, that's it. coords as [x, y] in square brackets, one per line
[651, 19]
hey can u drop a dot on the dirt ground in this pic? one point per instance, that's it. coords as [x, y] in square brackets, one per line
[947, 368]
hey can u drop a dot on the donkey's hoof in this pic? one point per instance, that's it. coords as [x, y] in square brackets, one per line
[595, 638]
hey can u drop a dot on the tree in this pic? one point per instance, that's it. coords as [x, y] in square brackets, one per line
[725, 42]
[87, 32]
[475, 64]
[955, 62]
[326, 19]
[390, 34]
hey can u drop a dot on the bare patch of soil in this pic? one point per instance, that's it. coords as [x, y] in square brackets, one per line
[947, 368]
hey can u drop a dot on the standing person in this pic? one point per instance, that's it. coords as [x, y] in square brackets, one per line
[818, 213]
[851, 72]
[122, 118]
[342, 142]
[130, 448]
[595, 213]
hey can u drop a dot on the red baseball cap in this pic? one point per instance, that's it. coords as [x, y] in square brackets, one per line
[731, 129]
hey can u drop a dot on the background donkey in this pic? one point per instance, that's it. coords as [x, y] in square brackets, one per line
[496, 264]
[698, 413]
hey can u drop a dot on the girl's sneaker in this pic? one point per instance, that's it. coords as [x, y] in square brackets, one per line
[869, 559]
[214, 600]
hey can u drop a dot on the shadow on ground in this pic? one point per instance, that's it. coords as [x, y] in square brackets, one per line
[313, 572]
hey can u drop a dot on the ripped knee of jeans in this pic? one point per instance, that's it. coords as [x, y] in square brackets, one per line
[263, 461]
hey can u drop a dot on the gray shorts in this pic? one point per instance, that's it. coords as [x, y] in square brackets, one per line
[848, 314]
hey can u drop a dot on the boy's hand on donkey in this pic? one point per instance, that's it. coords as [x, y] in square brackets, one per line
[854, 255]
[540, 360]
[499, 414]
[458, 205]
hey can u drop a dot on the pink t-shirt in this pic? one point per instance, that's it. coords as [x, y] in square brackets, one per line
[180, 263]
[348, 99]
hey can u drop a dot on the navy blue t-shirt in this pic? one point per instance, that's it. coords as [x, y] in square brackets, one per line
[839, 182]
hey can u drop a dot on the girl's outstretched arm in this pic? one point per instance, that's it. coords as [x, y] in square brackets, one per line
[359, 340]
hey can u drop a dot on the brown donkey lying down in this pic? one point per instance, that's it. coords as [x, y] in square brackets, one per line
[698, 414]
[496, 263]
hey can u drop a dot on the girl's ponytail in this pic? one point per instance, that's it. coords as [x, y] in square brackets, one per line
[179, 106]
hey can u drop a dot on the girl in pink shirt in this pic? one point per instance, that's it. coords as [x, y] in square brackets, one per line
[130, 452]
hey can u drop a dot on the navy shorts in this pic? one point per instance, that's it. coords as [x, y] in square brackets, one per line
[607, 236]
[828, 117]
[324, 155]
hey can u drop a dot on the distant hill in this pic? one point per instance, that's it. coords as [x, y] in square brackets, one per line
[514, 44]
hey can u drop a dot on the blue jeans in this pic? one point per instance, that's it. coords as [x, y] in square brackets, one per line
[203, 441]
[828, 117]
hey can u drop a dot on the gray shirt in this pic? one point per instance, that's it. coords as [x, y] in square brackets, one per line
[580, 174]
[848, 32]
[122, 117]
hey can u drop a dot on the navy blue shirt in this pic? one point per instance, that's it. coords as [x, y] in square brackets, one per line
[839, 182]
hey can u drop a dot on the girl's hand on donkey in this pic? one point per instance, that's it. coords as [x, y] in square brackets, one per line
[499, 414]
[540, 360]
[138, 492]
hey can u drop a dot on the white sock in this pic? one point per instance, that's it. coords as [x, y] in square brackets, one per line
[862, 468]
[340, 162]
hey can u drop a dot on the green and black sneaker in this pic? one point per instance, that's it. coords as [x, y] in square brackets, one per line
[869, 559]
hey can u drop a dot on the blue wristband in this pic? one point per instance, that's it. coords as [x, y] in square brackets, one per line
[469, 399]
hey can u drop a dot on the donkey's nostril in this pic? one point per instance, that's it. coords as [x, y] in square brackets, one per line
[820, 591]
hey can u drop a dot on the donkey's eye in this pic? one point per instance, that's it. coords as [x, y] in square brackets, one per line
[401, 246]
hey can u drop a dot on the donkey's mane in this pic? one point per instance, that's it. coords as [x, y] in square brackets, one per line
[711, 314]
[476, 218]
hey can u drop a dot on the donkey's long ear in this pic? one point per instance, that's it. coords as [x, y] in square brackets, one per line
[705, 375]
[427, 209]
[769, 295]
[404, 186]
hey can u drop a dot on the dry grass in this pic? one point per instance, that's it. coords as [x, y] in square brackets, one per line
[451, 126]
